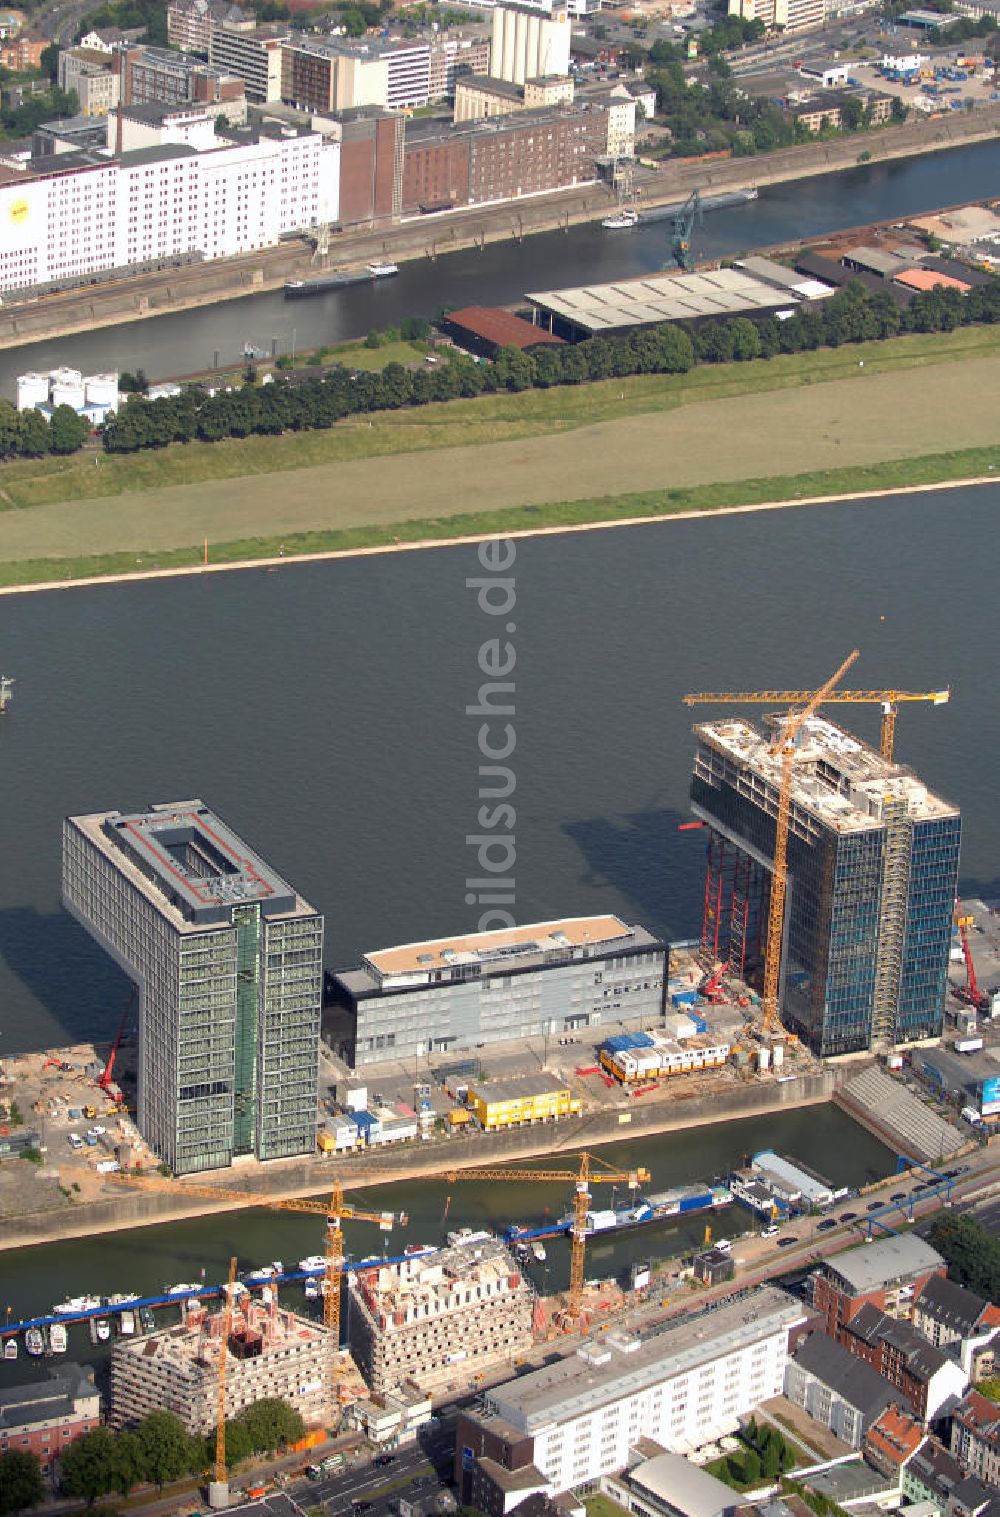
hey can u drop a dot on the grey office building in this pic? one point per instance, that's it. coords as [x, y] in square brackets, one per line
[227, 959]
[480, 988]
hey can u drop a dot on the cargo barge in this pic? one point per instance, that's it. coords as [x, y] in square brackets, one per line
[681, 1201]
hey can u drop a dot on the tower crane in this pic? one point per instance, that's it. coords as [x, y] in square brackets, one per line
[889, 700]
[336, 1211]
[783, 744]
[582, 1179]
[219, 1494]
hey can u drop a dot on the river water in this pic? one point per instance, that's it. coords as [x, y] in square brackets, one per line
[145, 1260]
[504, 272]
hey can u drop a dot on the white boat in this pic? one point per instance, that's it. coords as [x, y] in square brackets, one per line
[179, 1290]
[121, 1300]
[265, 1274]
[75, 1305]
[382, 269]
[312, 1290]
[466, 1237]
[314, 1264]
[103, 1329]
[34, 1342]
[57, 1338]
[126, 1324]
[621, 220]
[414, 1250]
[538, 1251]
[10, 1349]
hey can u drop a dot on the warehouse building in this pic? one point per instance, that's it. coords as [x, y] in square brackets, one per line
[872, 879]
[438, 1317]
[972, 1078]
[682, 1384]
[613, 310]
[484, 330]
[227, 958]
[545, 979]
[270, 1353]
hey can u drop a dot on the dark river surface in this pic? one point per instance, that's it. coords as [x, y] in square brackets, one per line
[503, 272]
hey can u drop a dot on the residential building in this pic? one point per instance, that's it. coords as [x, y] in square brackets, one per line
[44, 1416]
[929, 1379]
[227, 959]
[23, 52]
[872, 866]
[161, 76]
[933, 1475]
[190, 22]
[528, 43]
[891, 1441]
[255, 57]
[838, 1390]
[828, 108]
[888, 1274]
[95, 79]
[11, 22]
[478, 988]
[269, 1353]
[682, 1384]
[951, 1317]
[619, 102]
[89, 213]
[975, 1436]
[788, 15]
[520, 1102]
[453, 55]
[435, 1316]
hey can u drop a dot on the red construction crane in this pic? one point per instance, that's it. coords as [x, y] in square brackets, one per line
[106, 1079]
[970, 992]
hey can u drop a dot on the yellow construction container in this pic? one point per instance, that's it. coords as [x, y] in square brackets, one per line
[515, 1103]
[326, 1142]
[459, 1117]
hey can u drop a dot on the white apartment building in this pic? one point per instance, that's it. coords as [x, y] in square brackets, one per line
[785, 15]
[686, 1384]
[528, 43]
[252, 57]
[164, 200]
[92, 77]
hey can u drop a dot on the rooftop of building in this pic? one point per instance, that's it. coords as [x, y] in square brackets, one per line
[485, 84]
[193, 1346]
[872, 1326]
[156, 114]
[659, 298]
[849, 1482]
[441, 1278]
[103, 63]
[618, 1366]
[875, 1266]
[836, 778]
[895, 1435]
[950, 1304]
[523, 1087]
[851, 1378]
[682, 1486]
[936, 1467]
[495, 325]
[506, 944]
[45, 1400]
[981, 1416]
[136, 157]
[965, 1071]
[189, 864]
[931, 279]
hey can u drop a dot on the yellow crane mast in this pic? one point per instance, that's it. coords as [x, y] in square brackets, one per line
[582, 1179]
[336, 1211]
[889, 700]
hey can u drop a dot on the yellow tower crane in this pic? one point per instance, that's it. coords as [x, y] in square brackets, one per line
[582, 1179]
[336, 1211]
[889, 700]
[784, 744]
[219, 1494]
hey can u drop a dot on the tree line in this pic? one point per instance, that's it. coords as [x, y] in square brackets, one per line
[29, 434]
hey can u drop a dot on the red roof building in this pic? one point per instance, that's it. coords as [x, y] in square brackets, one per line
[487, 329]
[891, 1440]
[929, 279]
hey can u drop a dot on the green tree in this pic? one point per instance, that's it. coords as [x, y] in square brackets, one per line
[87, 1467]
[168, 1450]
[48, 60]
[771, 1460]
[414, 328]
[971, 1252]
[272, 1424]
[751, 1472]
[746, 339]
[239, 1444]
[21, 1483]
[68, 431]
[35, 435]
[129, 1465]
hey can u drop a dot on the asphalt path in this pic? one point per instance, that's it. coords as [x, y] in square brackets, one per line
[339, 1493]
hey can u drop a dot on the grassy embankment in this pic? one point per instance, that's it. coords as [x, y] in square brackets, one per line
[503, 418]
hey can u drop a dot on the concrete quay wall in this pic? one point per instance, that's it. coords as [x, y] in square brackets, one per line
[193, 287]
[305, 1177]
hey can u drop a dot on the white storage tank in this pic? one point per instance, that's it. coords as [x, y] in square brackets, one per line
[68, 393]
[763, 1059]
[101, 389]
[778, 1055]
[32, 390]
[64, 376]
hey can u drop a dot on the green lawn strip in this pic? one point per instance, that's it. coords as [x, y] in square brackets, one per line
[354, 355]
[599, 1505]
[489, 418]
[895, 474]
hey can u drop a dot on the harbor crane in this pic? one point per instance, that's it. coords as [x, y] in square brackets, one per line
[582, 1179]
[683, 228]
[889, 700]
[784, 744]
[336, 1211]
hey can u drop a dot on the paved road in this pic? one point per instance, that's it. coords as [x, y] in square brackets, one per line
[339, 1493]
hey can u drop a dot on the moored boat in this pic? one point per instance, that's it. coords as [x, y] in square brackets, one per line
[58, 1339]
[34, 1342]
[10, 1348]
[621, 220]
[76, 1305]
[383, 269]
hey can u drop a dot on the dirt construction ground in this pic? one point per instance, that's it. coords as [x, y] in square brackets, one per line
[866, 419]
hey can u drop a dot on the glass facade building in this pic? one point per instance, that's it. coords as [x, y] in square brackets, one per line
[872, 876]
[228, 963]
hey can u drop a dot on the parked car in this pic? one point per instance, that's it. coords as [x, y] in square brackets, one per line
[784, 1242]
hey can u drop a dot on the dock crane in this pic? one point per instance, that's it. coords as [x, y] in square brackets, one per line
[336, 1211]
[683, 227]
[582, 1179]
[218, 1495]
[783, 744]
[889, 700]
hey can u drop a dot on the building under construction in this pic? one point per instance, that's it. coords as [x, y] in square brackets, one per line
[872, 873]
[271, 1352]
[439, 1316]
